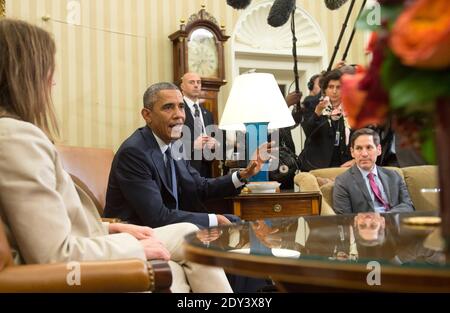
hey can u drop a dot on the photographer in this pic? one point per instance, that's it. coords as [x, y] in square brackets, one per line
[326, 128]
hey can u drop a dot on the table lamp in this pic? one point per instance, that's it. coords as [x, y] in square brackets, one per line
[255, 105]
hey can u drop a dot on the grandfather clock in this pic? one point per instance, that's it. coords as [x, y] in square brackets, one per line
[198, 46]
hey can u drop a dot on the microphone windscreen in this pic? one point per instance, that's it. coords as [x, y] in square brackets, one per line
[334, 4]
[280, 12]
[239, 4]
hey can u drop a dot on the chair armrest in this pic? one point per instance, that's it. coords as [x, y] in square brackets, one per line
[306, 182]
[108, 276]
[162, 274]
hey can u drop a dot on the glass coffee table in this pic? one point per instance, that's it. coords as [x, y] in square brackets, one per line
[366, 251]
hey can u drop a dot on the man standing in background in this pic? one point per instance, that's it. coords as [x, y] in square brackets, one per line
[197, 119]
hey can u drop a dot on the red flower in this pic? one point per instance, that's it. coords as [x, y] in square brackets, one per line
[365, 100]
[372, 42]
[361, 110]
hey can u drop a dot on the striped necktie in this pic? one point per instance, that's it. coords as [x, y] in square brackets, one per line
[376, 191]
[198, 125]
[171, 174]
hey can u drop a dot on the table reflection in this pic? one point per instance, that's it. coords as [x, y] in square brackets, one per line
[342, 238]
[330, 253]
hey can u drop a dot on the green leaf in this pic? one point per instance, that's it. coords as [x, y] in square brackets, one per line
[392, 70]
[391, 12]
[428, 147]
[419, 90]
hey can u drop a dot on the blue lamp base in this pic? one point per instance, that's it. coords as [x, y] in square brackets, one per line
[256, 135]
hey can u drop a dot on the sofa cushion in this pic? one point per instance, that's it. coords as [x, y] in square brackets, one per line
[396, 169]
[418, 178]
[330, 173]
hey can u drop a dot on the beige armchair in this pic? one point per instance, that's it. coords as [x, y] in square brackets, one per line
[89, 169]
[416, 179]
[104, 276]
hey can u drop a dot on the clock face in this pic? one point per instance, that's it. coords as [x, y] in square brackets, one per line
[203, 57]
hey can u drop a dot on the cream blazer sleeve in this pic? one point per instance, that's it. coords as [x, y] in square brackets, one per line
[47, 220]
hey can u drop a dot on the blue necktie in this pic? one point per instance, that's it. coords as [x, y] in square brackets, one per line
[171, 175]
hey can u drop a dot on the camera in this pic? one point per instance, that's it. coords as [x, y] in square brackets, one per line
[329, 106]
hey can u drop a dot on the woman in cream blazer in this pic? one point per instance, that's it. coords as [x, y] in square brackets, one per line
[46, 220]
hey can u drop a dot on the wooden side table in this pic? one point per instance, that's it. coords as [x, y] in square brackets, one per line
[254, 206]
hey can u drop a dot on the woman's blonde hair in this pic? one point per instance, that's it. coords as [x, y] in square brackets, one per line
[27, 64]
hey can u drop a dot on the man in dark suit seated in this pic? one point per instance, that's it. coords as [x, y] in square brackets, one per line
[151, 184]
[365, 187]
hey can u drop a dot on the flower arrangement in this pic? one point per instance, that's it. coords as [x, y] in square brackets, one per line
[409, 75]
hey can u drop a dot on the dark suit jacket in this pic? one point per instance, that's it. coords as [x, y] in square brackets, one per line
[308, 106]
[138, 191]
[202, 166]
[319, 143]
[350, 193]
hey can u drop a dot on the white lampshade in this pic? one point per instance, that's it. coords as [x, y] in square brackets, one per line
[255, 98]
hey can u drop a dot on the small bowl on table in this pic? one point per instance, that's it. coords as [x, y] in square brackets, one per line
[264, 187]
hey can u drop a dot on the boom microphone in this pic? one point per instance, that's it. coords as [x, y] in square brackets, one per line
[280, 12]
[239, 4]
[334, 4]
[344, 26]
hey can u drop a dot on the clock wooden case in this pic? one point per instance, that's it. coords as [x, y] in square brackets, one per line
[198, 46]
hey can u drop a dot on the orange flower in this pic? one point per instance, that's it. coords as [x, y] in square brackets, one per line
[421, 34]
[352, 98]
[361, 109]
